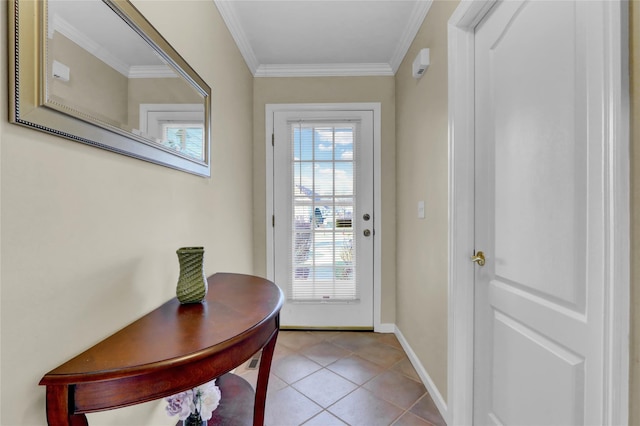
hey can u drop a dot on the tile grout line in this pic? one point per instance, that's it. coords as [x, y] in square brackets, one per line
[351, 350]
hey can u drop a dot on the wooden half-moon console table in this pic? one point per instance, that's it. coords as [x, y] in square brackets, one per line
[174, 348]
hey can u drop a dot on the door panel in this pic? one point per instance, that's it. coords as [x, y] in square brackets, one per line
[533, 83]
[514, 345]
[539, 214]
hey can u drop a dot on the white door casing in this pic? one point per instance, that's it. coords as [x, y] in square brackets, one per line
[367, 310]
[534, 310]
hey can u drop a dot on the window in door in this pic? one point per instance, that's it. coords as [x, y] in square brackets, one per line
[323, 256]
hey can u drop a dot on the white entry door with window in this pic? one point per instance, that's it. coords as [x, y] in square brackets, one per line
[323, 217]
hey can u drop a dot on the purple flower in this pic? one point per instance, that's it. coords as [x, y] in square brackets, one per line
[180, 404]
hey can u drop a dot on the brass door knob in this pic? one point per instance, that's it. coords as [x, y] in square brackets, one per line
[478, 258]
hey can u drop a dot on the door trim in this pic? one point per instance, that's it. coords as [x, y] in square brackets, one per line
[461, 212]
[270, 109]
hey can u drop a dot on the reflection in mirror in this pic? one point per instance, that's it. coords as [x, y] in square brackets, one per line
[97, 72]
[100, 70]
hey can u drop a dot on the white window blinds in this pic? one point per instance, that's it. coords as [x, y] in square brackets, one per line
[322, 251]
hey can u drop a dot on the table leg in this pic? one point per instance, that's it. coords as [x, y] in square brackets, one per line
[263, 380]
[58, 406]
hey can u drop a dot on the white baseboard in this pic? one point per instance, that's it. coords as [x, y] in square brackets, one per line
[385, 328]
[424, 376]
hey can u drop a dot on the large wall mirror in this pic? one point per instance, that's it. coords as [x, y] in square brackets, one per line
[96, 71]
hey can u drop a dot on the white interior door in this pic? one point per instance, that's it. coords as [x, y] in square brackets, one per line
[323, 217]
[540, 214]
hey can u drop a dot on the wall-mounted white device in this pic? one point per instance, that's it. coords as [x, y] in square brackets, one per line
[421, 63]
[60, 71]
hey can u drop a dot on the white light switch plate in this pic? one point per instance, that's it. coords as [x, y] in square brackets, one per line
[420, 209]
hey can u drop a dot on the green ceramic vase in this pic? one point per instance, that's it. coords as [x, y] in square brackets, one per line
[192, 284]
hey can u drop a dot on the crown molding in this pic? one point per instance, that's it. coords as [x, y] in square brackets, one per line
[63, 27]
[72, 33]
[419, 13]
[151, 71]
[230, 19]
[323, 70]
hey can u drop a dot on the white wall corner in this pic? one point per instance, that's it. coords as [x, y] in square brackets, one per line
[435, 394]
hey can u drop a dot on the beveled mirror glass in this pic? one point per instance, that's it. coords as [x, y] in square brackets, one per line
[97, 72]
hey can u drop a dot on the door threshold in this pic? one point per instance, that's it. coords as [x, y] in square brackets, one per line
[321, 328]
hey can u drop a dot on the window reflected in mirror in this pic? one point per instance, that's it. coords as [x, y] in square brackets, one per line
[100, 70]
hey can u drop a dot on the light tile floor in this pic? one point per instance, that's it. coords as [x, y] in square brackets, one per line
[326, 378]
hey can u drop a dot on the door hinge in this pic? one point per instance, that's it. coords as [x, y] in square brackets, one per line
[273, 139]
[273, 220]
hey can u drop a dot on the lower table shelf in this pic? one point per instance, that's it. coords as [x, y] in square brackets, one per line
[236, 403]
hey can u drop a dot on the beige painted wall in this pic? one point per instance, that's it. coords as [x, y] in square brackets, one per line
[93, 87]
[89, 237]
[421, 140]
[331, 90]
[634, 397]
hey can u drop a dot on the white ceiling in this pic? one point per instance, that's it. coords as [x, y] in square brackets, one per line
[323, 37]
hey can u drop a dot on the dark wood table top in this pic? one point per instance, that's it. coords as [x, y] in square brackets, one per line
[174, 347]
